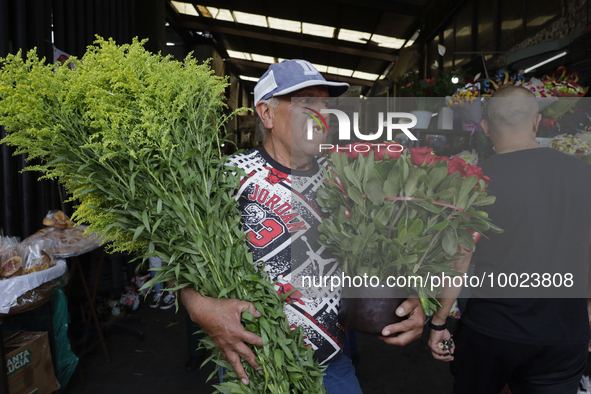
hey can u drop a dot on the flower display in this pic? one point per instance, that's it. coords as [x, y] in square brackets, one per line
[570, 144]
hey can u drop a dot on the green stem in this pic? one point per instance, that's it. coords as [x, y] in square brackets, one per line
[212, 265]
[418, 265]
[396, 219]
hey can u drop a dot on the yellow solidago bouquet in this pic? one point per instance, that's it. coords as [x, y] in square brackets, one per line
[135, 138]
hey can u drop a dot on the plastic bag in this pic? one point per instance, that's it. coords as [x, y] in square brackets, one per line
[23, 291]
[11, 258]
[67, 242]
[35, 256]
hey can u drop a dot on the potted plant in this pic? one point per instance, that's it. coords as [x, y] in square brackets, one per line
[405, 215]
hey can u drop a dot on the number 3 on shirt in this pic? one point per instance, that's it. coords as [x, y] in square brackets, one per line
[272, 229]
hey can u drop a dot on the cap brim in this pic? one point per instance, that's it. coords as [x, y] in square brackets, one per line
[335, 89]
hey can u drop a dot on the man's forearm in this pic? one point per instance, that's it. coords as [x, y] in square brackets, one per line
[450, 293]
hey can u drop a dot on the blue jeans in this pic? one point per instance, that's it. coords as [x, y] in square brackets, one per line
[339, 379]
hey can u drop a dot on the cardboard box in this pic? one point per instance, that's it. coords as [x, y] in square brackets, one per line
[29, 364]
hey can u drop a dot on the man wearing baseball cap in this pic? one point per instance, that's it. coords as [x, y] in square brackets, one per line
[280, 217]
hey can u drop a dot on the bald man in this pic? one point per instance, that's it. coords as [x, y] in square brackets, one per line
[543, 203]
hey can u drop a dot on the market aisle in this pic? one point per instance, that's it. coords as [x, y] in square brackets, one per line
[156, 365]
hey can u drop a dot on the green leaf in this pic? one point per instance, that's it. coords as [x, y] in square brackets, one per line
[145, 220]
[488, 200]
[374, 191]
[278, 357]
[390, 188]
[467, 185]
[352, 176]
[450, 242]
[405, 169]
[355, 195]
[440, 225]
[416, 227]
[137, 232]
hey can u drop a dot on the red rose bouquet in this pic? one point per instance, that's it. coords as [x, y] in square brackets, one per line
[401, 213]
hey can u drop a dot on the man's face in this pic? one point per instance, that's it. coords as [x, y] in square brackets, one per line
[290, 120]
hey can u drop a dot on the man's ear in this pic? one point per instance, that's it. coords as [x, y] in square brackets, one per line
[265, 114]
[485, 127]
[537, 120]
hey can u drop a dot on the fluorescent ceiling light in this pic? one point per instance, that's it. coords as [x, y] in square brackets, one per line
[320, 68]
[251, 79]
[318, 30]
[545, 62]
[239, 55]
[482, 27]
[540, 20]
[340, 71]
[510, 25]
[409, 43]
[387, 42]
[220, 14]
[464, 31]
[363, 75]
[354, 36]
[184, 8]
[250, 19]
[284, 24]
[263, 59]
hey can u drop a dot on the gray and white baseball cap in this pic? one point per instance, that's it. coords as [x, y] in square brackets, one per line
[291, 75]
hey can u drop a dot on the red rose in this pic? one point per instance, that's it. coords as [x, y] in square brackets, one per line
[442, 159]
[474, 171]
[486, 180]
[393, 149]
[420, 156]
[456, 165]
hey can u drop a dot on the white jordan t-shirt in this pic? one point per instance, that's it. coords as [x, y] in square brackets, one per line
[281, 218]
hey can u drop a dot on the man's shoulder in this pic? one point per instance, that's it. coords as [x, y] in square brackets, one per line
[244, 159]
[539, 156]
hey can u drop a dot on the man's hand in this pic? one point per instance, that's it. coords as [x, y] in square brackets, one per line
[409, 329]
[434, 339]
[220, 318]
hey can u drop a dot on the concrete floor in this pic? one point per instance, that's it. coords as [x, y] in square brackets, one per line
[155, 365]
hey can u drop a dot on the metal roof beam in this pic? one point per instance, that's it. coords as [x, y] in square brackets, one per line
[217, 28]
[329, 77]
